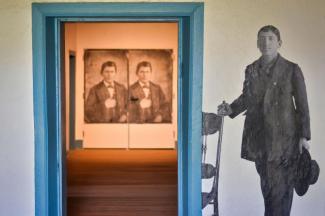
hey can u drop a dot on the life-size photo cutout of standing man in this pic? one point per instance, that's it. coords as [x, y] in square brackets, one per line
[107, 100]
[147, 100]
[277, 125]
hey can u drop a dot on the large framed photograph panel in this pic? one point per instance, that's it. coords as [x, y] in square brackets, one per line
[101, 128]
[151, 134]
[138, 130]
[127, 45]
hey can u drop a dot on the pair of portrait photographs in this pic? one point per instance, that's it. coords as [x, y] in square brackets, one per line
[128, 85]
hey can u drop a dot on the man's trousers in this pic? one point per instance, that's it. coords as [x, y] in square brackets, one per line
[277, 184]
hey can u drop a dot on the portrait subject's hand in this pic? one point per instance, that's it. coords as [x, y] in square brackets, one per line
[224, 109]
[158, 119]
[110, 103]
[123, 118]
[303, 143]
[145, 103]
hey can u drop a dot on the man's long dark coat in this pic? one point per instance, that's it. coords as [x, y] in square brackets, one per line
[159, 104]
[95, 109]
[284, 117]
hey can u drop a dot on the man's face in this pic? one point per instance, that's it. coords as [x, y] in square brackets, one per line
[268, 43]
[144, 74]
[109, 73]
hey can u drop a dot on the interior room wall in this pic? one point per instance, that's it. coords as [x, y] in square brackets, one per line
[123, 36]
[70, 45]
[229, 45]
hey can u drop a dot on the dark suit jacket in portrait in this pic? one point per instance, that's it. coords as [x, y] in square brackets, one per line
[95, 109]
[159, 106]
[278, 116]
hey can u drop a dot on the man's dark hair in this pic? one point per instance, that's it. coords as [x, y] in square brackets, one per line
[143, 64]
[108, 64]
[270, 28]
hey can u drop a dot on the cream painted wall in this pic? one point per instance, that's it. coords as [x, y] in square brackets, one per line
[230, 44]
[16, 110]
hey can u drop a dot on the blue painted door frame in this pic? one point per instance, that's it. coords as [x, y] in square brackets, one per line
[46, 20]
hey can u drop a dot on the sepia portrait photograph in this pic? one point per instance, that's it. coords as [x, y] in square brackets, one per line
[105, 86]
[151, 86]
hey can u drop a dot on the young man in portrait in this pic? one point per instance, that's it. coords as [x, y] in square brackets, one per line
[147, 100]
[107, 100]
[277, 124]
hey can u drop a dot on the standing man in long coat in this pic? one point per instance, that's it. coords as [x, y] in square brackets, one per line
[277, 124]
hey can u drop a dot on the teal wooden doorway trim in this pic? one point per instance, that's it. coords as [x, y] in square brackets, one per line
[46, 19]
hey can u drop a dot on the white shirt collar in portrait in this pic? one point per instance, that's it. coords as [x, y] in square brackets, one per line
[107, 84]
[110, 88]
[145, 90]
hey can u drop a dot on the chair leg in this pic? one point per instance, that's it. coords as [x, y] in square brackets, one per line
[215, 206]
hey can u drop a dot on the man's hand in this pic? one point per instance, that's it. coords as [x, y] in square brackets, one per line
[158, 119]
[122, 119]
[110, 103]
[224, 109]
[303, 143]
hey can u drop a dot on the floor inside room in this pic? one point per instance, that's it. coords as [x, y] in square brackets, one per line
[107, 182]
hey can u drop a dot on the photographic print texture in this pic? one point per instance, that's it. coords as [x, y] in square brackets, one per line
[132, 86]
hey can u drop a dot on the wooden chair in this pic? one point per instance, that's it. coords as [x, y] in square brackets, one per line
[211, 124]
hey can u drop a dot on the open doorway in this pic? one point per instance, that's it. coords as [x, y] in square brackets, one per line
[47, 19]
[121, 99]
